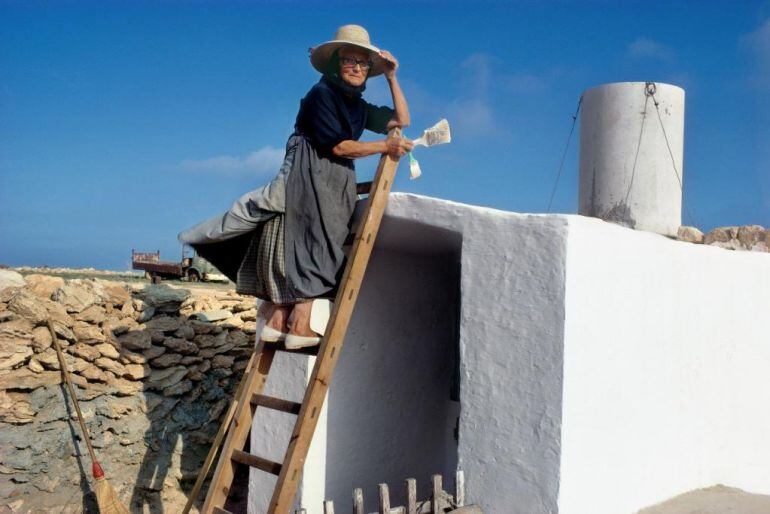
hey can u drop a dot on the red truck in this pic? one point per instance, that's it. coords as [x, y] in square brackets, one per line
[192, 268]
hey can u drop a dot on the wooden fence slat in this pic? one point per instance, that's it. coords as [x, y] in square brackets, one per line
[384, 499]
[460, 488]
[358, 501]
[437, 490]
[328, 507]
[411, 496]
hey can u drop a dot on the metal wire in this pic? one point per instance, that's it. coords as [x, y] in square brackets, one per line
[564, 153]
[671, 154]
[638, 147]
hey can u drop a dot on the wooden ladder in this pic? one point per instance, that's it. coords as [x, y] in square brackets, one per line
[249, 395]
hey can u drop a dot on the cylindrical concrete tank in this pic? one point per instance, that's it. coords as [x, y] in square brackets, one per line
[626, 171]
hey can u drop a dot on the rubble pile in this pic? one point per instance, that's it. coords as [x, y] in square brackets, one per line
[754, 238]
[153, 382]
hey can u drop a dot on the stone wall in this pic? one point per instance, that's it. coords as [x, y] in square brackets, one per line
[153, 383]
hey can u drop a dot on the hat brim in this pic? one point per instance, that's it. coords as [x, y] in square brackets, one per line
[320, 55]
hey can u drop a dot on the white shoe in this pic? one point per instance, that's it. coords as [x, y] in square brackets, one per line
[319, 318]
[269, 334]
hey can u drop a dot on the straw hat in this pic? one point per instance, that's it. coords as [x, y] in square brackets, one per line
[354, 35]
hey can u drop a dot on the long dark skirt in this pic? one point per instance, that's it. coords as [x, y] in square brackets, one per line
[283, 242]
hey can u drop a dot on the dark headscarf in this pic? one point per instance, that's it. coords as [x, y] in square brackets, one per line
[332, 74]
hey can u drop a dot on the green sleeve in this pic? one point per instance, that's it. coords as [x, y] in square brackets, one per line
[377, 118]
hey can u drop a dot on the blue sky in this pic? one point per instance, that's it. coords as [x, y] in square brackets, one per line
[123, 123]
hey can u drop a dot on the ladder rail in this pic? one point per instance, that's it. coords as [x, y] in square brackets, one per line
[331, 344]
[308, 412]
[219, 489]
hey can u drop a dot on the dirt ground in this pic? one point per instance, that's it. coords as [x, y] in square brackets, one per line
[713, 500]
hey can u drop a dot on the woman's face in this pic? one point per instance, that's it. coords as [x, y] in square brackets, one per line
[354, 74]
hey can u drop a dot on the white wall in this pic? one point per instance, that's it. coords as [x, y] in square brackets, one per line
[602, 369]
[666, 365]
[512, 312]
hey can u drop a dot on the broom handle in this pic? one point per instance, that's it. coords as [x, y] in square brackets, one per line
[74, 397]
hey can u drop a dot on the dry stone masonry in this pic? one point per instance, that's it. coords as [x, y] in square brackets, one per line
[153, 382]
[754, 238]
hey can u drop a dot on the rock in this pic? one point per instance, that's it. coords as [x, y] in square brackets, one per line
[10, 278]
[28, 306]
[35, 366]
[689, 234]
[127, 309]
[114, 293]
[145, 315]
[94, 374]
[136, 371]
[63, 332]
[14, 350]
[231, 323]
[180, 345]
[249, 315]
[107, 350]
[118, 326]
[111, 365]
[15, 409]
[84, 351]
[43, 286]
[222, 361]
[164, 323]
[129, 357]
[74, 298]
[136, 340]
[214, 315]
[166, 360]
[205, 340]
[249, 327]
[161, 295]
[157, 337]
[20, 326]
[23, 379]
[93, 314]
[185, 332]
[243, 306]
[201, 327]
[154, 351]
[41, 339]
[125, 387]
[164, 378]
[89, 334]
[139, 304]
[48, 359]
[177, 389]
[751, 235]
[238, 338]
[210, 352]
[190, 359]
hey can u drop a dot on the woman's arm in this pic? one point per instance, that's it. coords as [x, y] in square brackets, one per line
[395, 147]
[401, 117]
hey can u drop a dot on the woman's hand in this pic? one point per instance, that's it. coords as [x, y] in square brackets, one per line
[391, 64]
[398, 146]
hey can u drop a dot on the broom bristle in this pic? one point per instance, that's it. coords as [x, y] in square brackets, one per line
[107, 498]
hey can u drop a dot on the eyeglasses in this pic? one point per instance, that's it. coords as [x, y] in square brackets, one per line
[349, 62]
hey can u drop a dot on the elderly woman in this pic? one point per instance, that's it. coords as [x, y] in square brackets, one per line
[283, 242]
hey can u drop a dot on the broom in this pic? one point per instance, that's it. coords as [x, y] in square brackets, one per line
[106, 497]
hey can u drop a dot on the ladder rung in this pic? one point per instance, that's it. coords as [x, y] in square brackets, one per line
[256, 462]
[217, 510]
[270, 402]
